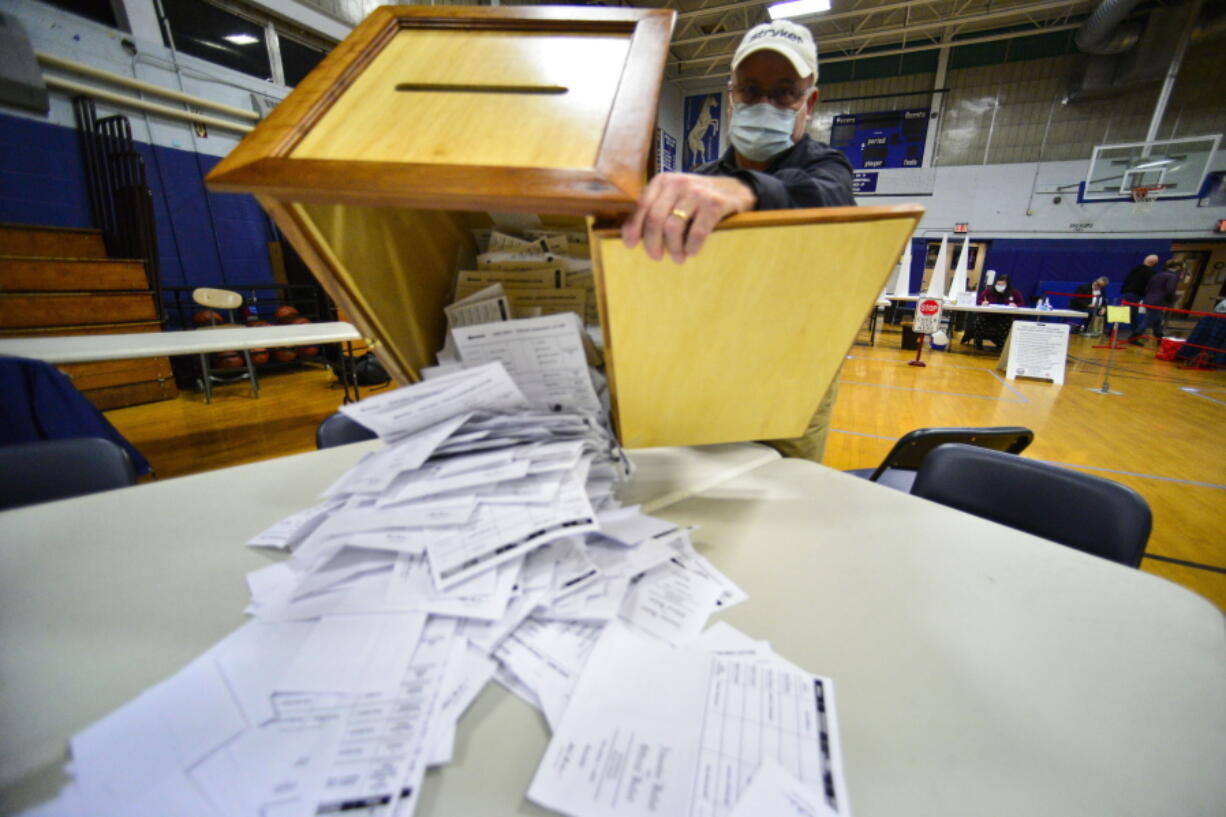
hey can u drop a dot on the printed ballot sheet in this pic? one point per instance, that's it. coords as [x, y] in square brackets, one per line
[776, 792]
[653, 730]
[544, 356]
[413, 408]
[499, 534]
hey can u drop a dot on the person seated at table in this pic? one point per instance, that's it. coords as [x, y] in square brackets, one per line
[1094, 302]
[993, 327]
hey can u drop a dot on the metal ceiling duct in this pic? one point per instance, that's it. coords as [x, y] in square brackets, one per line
[1104, 73]
[1105, 32]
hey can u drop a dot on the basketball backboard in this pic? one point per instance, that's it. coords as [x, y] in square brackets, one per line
[1177, 165]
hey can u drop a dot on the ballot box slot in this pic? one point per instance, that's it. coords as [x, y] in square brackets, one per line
[462, 88]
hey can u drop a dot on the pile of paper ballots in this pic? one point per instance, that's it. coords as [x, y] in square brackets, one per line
[481, 542]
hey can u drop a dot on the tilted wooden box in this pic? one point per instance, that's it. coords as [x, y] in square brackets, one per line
[424, 119]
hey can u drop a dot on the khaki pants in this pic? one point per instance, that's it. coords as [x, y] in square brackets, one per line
[812, 444]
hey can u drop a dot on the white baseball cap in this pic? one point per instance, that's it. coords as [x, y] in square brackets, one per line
[790, 39]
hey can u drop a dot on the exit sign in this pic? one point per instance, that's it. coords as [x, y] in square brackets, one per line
[965, 227]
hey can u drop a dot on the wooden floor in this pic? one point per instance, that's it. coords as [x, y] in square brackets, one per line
[1164, 435]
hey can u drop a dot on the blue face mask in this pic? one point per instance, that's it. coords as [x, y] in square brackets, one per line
[762, 131]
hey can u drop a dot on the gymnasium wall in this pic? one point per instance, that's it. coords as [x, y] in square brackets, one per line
[204, 238]
[1009, 153]
[1006, 147]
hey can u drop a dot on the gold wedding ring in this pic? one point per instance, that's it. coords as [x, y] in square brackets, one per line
[681, 214]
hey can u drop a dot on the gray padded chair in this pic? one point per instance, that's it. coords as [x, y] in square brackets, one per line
[898, 468]
[338, 429]
[1091, 514]
[57, 469]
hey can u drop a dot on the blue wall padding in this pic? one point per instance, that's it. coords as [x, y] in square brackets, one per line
[217, 239]
[1031, 261]
[41, 180]
[204, 239]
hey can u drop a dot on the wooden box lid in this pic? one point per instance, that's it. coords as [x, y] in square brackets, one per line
[538, 109]
[741, 341]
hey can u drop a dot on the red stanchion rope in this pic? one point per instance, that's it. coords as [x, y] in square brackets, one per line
[1087, 296]
[1173, 309]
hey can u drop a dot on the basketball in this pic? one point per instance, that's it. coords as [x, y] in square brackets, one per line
[259, 323]
[284, 313]
[284, 355]
[205, 317]
[299, 320]
[308, 351]
[227, 360]
[259, 356]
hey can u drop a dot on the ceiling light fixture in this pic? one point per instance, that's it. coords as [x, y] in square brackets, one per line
[241, 39]
[798, 8]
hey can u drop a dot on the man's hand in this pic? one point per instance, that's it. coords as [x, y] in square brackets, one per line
[677, 211]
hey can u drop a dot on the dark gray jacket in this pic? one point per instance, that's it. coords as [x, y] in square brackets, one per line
[808, 174]
[1161, 289]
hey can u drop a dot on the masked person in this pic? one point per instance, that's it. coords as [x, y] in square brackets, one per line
[772, 164]
[1093, 299]
[995, 328]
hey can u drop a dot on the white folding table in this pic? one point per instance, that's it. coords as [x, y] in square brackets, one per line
[978, 670]
[59, 349]
[122, 346]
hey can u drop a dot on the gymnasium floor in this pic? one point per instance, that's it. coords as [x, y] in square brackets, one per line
[1164, 436]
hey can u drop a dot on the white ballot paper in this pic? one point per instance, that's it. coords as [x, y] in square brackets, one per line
[544, 356]
[776, 792]
[655, 730]
[416, 407]
[484, 306]
[671, 602]
[500, 533]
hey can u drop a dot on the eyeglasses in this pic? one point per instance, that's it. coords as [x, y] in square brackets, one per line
[781, 96]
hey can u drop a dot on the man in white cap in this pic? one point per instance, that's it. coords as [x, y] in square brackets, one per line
[772, 165]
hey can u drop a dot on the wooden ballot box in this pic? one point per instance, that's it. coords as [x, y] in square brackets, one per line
[425, 119]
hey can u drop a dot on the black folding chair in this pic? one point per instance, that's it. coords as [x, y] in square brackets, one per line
[1091, 514]
[57, 469]
[898, 468]
[338, 429]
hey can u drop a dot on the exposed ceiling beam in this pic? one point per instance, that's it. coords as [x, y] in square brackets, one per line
[705, 78]
[983, 17]
[899, 4]
[685, 15]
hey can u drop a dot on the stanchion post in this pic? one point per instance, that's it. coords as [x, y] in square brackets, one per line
[919, 350]
[1115, 328]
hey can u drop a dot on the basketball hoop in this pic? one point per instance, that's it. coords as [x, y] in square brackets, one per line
[1144, 197]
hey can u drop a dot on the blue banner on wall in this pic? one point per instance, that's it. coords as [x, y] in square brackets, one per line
[881, 139]
[864, 182]
[668, 152]
[702, 121]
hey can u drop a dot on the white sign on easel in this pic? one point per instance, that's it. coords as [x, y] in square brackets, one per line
[927, 316]
[1038, 350]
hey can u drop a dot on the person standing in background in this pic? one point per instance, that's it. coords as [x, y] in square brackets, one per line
[1159, 292]
[772, 164]
[1134, 287]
